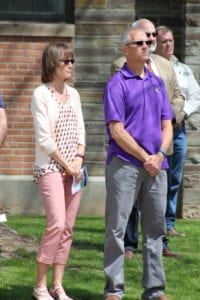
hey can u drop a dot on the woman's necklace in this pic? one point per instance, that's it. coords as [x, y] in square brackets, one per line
[61, 96]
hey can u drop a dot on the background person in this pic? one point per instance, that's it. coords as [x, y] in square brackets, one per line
[139, 129]
[191, 92]
[3, 122]
[162, 68]
[60, 146]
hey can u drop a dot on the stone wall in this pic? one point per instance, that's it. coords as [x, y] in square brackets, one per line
[191, 182]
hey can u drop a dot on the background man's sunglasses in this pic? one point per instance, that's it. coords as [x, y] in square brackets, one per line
[154, 34]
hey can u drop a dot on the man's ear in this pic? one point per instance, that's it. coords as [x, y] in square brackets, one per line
[124, 49]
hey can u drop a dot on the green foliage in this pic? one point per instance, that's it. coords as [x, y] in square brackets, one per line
[84, 278]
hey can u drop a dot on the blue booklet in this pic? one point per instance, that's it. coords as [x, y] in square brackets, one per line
[84, 181]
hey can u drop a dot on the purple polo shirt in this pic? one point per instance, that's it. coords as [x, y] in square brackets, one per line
[141, 104]
[2, 105]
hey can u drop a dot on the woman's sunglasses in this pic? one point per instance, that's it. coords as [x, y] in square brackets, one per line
[67, 61]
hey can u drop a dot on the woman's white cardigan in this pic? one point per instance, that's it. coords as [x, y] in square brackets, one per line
[45, 113]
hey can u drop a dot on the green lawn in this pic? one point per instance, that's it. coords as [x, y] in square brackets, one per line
[84, 278]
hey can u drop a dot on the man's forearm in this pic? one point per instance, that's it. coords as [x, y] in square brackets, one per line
[167, 132]
[127, 142]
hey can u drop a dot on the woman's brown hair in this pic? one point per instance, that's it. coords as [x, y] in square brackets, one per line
[50, 58]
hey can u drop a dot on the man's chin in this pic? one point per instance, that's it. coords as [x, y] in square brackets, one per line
[152, 48]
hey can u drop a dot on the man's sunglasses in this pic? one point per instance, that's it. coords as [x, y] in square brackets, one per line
[140, 43]
[67, 61]
[154, 34]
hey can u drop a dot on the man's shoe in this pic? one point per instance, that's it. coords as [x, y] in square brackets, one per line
[162, 297]
[112, 297]
[169, 253]
[129, 254]
[173, 232]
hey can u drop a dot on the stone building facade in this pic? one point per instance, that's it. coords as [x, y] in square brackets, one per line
[95, 35]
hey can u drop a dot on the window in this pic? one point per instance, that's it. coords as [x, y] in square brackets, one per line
[37, 10]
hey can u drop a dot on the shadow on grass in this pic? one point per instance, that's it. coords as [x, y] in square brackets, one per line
[25, 293]
[16, 293]
[88, 245]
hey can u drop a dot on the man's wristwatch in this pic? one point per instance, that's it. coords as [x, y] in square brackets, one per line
[185, 115]
[164, 153]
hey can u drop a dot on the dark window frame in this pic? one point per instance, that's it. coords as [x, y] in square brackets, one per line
[43, 17]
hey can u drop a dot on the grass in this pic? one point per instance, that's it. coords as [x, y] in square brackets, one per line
[84, 278]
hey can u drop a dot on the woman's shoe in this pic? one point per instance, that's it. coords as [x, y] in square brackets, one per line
[41, 294]
[58, 293]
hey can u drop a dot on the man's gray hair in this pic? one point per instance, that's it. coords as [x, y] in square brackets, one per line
[126, 37]
[140, 23]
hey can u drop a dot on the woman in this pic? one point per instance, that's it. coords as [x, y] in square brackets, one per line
[60, 146]
[3, 122]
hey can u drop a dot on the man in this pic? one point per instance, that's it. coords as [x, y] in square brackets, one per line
[139, 128]
[3, 122]
[191, 91]
[164, 69]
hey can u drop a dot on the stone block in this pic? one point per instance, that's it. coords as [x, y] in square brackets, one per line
[19, 195]
[86, 4]
[193, 155]
[193, 20]
[93, 112]
[191, 196]
[191, 168]
[191, 181]
[116, 15]
[193, 138]
[94, 55]
[93, 72]
[98, 41]
[192, 48]
[24, 197]
[191, 212]
[193, 9]
[93, 197]
[192, 1]
[95, 127]
[95, 143]
[91, 97]
[96, 168]
[103, 30]
[87, 85]
[82, 69]
[128, 4]
[193, 123]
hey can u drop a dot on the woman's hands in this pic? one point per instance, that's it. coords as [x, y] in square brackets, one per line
[74, 168]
